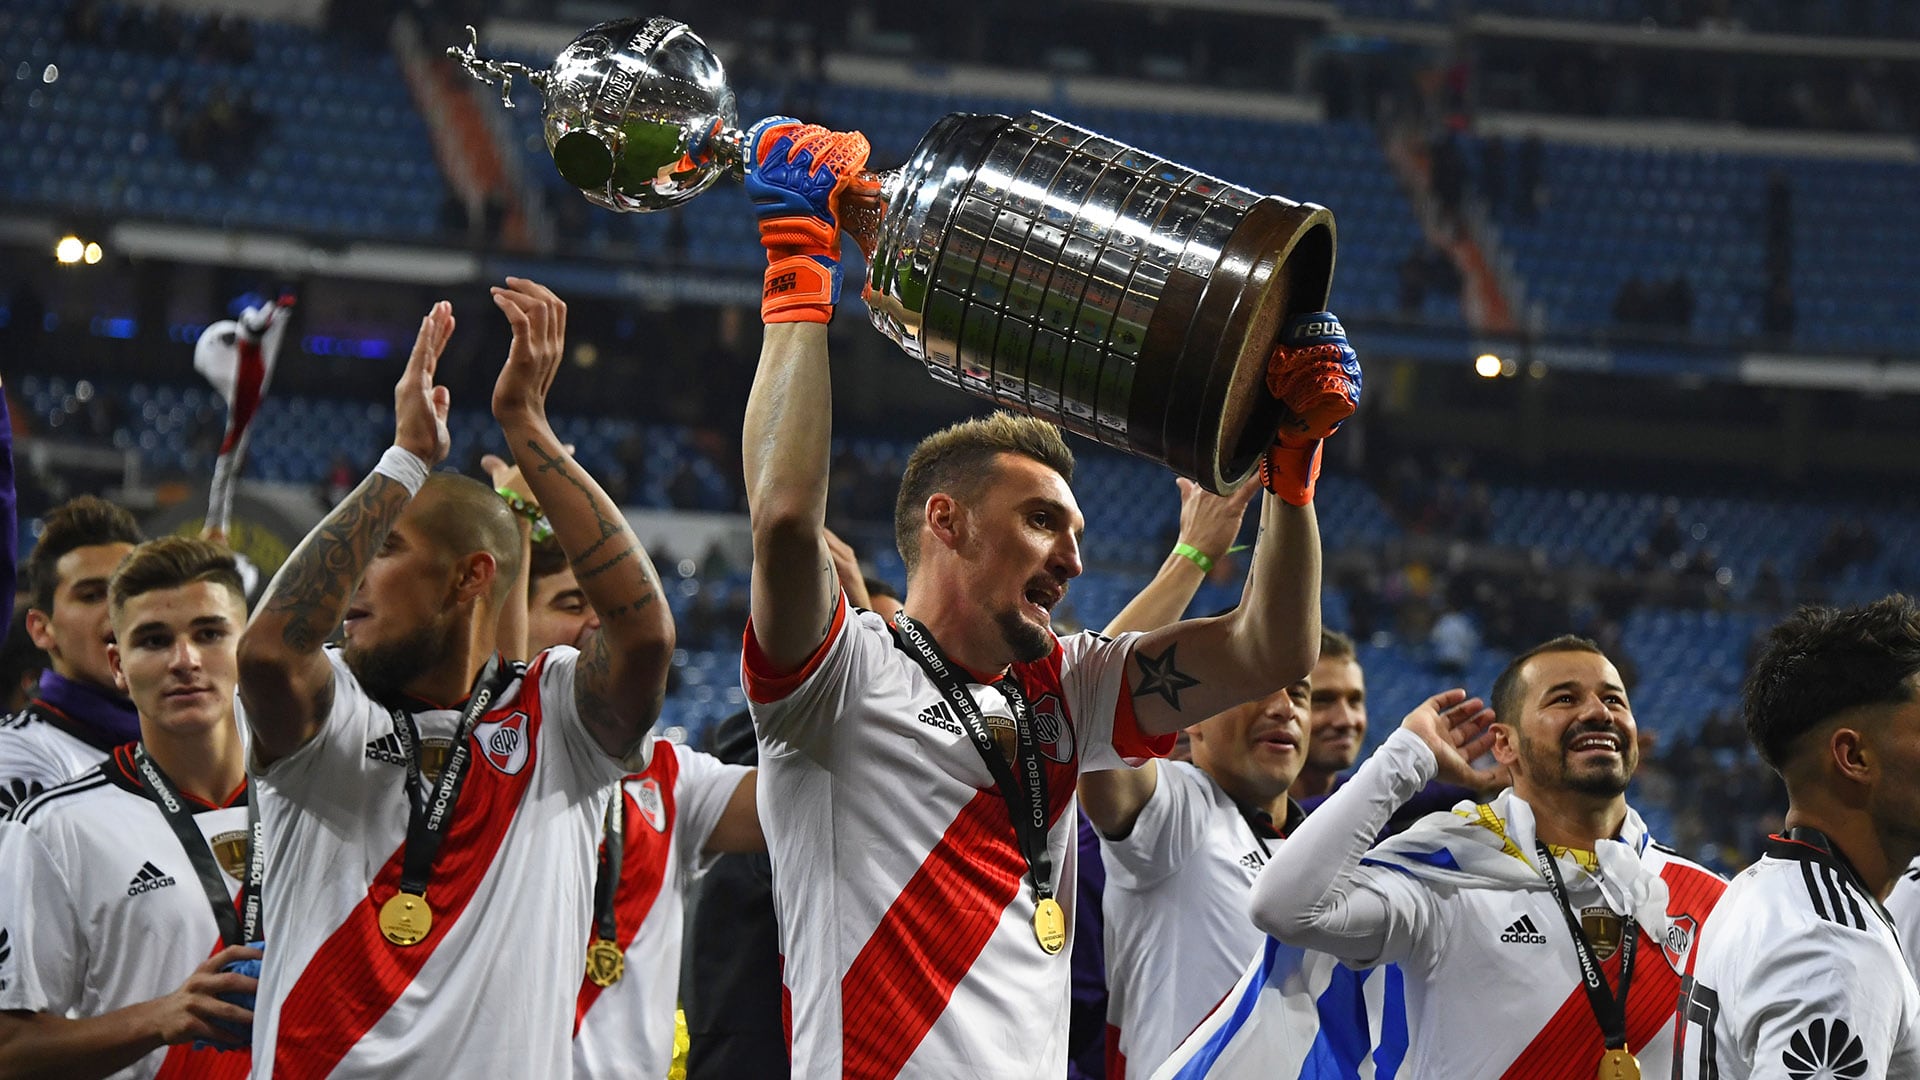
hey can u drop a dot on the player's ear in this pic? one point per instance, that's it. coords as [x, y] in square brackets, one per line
[945, 518]
[1506, 743]
[473, 575]
[40, 629]
[1852, 754]
[113, 663]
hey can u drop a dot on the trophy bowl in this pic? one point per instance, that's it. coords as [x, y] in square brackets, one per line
[1028, 261]
[633, 110]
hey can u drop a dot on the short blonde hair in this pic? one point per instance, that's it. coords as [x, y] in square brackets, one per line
[959, 460]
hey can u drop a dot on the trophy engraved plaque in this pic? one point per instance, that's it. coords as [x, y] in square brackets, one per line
[1027, 261]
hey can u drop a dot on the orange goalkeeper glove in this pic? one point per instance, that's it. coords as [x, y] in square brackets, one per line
[796, 177]
[1316, 374]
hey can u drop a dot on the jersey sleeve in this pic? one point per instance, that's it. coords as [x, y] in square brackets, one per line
[794, 710]
[1823, 1002]
[1093, 674]
[1315, 894]
[43, 950]
[1170, 828]
[700, 795]
[564, 734]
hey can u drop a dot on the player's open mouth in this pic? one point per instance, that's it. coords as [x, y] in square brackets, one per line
[1596, 742]
[1043, 600]
[1278, 740]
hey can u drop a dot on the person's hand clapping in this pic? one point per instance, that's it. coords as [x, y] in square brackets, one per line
[420, 407]
[539, 321]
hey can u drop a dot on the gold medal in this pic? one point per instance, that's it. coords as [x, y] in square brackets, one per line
[605, 962]
[1619, 1065]
[406, 919]
[1050, 925]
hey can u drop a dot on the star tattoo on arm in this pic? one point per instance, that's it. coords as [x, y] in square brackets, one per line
[1158, 675]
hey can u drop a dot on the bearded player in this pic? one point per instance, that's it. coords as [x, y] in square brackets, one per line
[1553, 878]
[429, 922]
[918, 778]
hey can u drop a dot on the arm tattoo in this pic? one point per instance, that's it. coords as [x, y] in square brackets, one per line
[311, 590]
[1158, 676]
[608, 528]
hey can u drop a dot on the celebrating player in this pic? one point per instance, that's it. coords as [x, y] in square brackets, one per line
[76, 716]
[431, 925]
[117, 888]
[1553, 893]
[919, 777]
[1799, 972]
[1339, 718]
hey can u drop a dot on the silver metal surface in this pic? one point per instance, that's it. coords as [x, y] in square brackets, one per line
[1046, 249]
[637, 112]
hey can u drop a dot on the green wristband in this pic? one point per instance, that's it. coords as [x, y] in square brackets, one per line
[1195, 556]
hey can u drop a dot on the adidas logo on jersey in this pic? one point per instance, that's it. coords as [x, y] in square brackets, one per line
[387, 748]
[148, 879]
[1523, 932]
[936, 716]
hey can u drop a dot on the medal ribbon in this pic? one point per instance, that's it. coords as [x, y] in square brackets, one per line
[1026, 803]
[1610, 1010]
[430, 814]
[607, 882]
[234, 929]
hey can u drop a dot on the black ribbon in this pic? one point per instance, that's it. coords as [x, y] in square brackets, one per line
[1610, 1010]
[612, 850]
[235, 929]
[1026, 803]
[430, 813]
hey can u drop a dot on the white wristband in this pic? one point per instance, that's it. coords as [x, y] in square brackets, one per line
[405, 467]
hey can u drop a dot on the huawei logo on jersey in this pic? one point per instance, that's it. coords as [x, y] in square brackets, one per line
[1051, 730]
[505, 743]
[652, 806]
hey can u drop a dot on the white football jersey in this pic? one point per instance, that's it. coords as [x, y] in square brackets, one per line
[100, 908]
[491, 990]
[1799, 974]
[1177, 931]
[37, 752]
[1903, 903]
[905, 915]
[1483, 922]
[626, 1030]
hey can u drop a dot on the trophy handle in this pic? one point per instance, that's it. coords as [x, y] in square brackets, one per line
[495, 71]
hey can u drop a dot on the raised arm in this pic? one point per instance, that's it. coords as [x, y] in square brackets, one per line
[1208, 524]
[1113, 798]
[513, 621]
[798, 175]
[1188, 671]
[286, 683]
[1310, 894]
[622, 677]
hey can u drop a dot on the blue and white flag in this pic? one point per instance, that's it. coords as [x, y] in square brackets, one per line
[1298, 1014]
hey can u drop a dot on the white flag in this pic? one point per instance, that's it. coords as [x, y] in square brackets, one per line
[1298, 1014]
[237, 357]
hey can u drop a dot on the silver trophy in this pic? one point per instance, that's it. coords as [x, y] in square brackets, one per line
[1027, 261]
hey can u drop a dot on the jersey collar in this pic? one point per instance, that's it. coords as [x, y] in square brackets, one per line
[1804, 843]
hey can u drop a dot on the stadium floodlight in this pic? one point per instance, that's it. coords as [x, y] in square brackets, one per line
[69, 250]
[92, 253]
[1487, 366]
